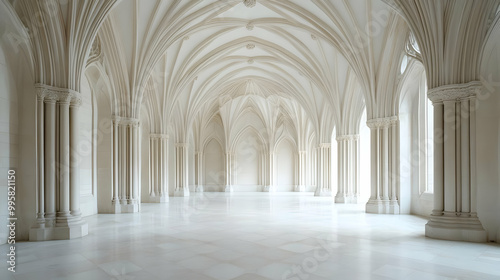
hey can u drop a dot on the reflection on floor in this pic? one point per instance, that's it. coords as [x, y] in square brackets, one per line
[254, 236]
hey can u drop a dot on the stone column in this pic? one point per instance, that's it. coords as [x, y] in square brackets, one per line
[134, 197]
[63, 212]
[348, 169]
[324, 170]
[301, 172]
[75, 160]
[40, 163]
[270, 185]
[49, 166]
[153, 166]
[384, 166]
[126, 171]
[229, 171]
[58, 192]
[115, 167]
[198, 163]
[181, 178]
[454, 216]
[158, 176]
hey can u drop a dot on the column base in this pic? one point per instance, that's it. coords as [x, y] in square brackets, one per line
[229, 189]
[340, 198]
[71, 231]
[269, 189]
[346, 199]
[124, 207]
[382, 207]
[184, 192]
[323, 193]
[300, 188]
[159, 199]
[456, 228]
[199, 188]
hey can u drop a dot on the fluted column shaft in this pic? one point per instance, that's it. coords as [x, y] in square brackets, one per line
[198, 163]
[58, 182]
[348, 169]
[454, 216]
[63, 212]
[182, 179]
[301, 172]
[158, 173]
[115, 164]
[270, 184]
[74, 160]
[229, 171]
[41, 163]
[126, 171]
[50, 160]
[384, 166]
[324, 170]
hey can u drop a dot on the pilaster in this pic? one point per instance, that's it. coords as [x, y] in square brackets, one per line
[125, 198]
[181, 178]
[229, 171]
[324, 169]
[270, 186]
[348, 169]
[384, 166]
[301, 172]
[158, 172]
[455, 213]
[58, 186]
[198, 163]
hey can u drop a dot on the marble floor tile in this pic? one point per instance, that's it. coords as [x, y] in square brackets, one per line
[253, 236]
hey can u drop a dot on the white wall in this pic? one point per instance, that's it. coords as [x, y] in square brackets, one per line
[488, 140]
[104, 145]
[8, 134]
[86, 151]
[364, 160]
[17, 137]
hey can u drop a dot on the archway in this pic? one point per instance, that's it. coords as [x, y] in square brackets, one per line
[248, 166]
[285, 166]
[213, 166]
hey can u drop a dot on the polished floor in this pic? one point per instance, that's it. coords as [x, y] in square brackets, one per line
[252, 237]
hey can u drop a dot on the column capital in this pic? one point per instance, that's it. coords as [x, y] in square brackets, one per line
[382, 122]
[181, 145]
[325, 145]
[123, 121]
[347, 137]
[158, 136]
[52, 94]
[455, 92]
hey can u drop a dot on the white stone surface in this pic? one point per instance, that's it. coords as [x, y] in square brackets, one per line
[227, 74]
[254, 236]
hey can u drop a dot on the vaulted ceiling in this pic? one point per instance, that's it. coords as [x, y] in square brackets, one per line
[181, 59]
